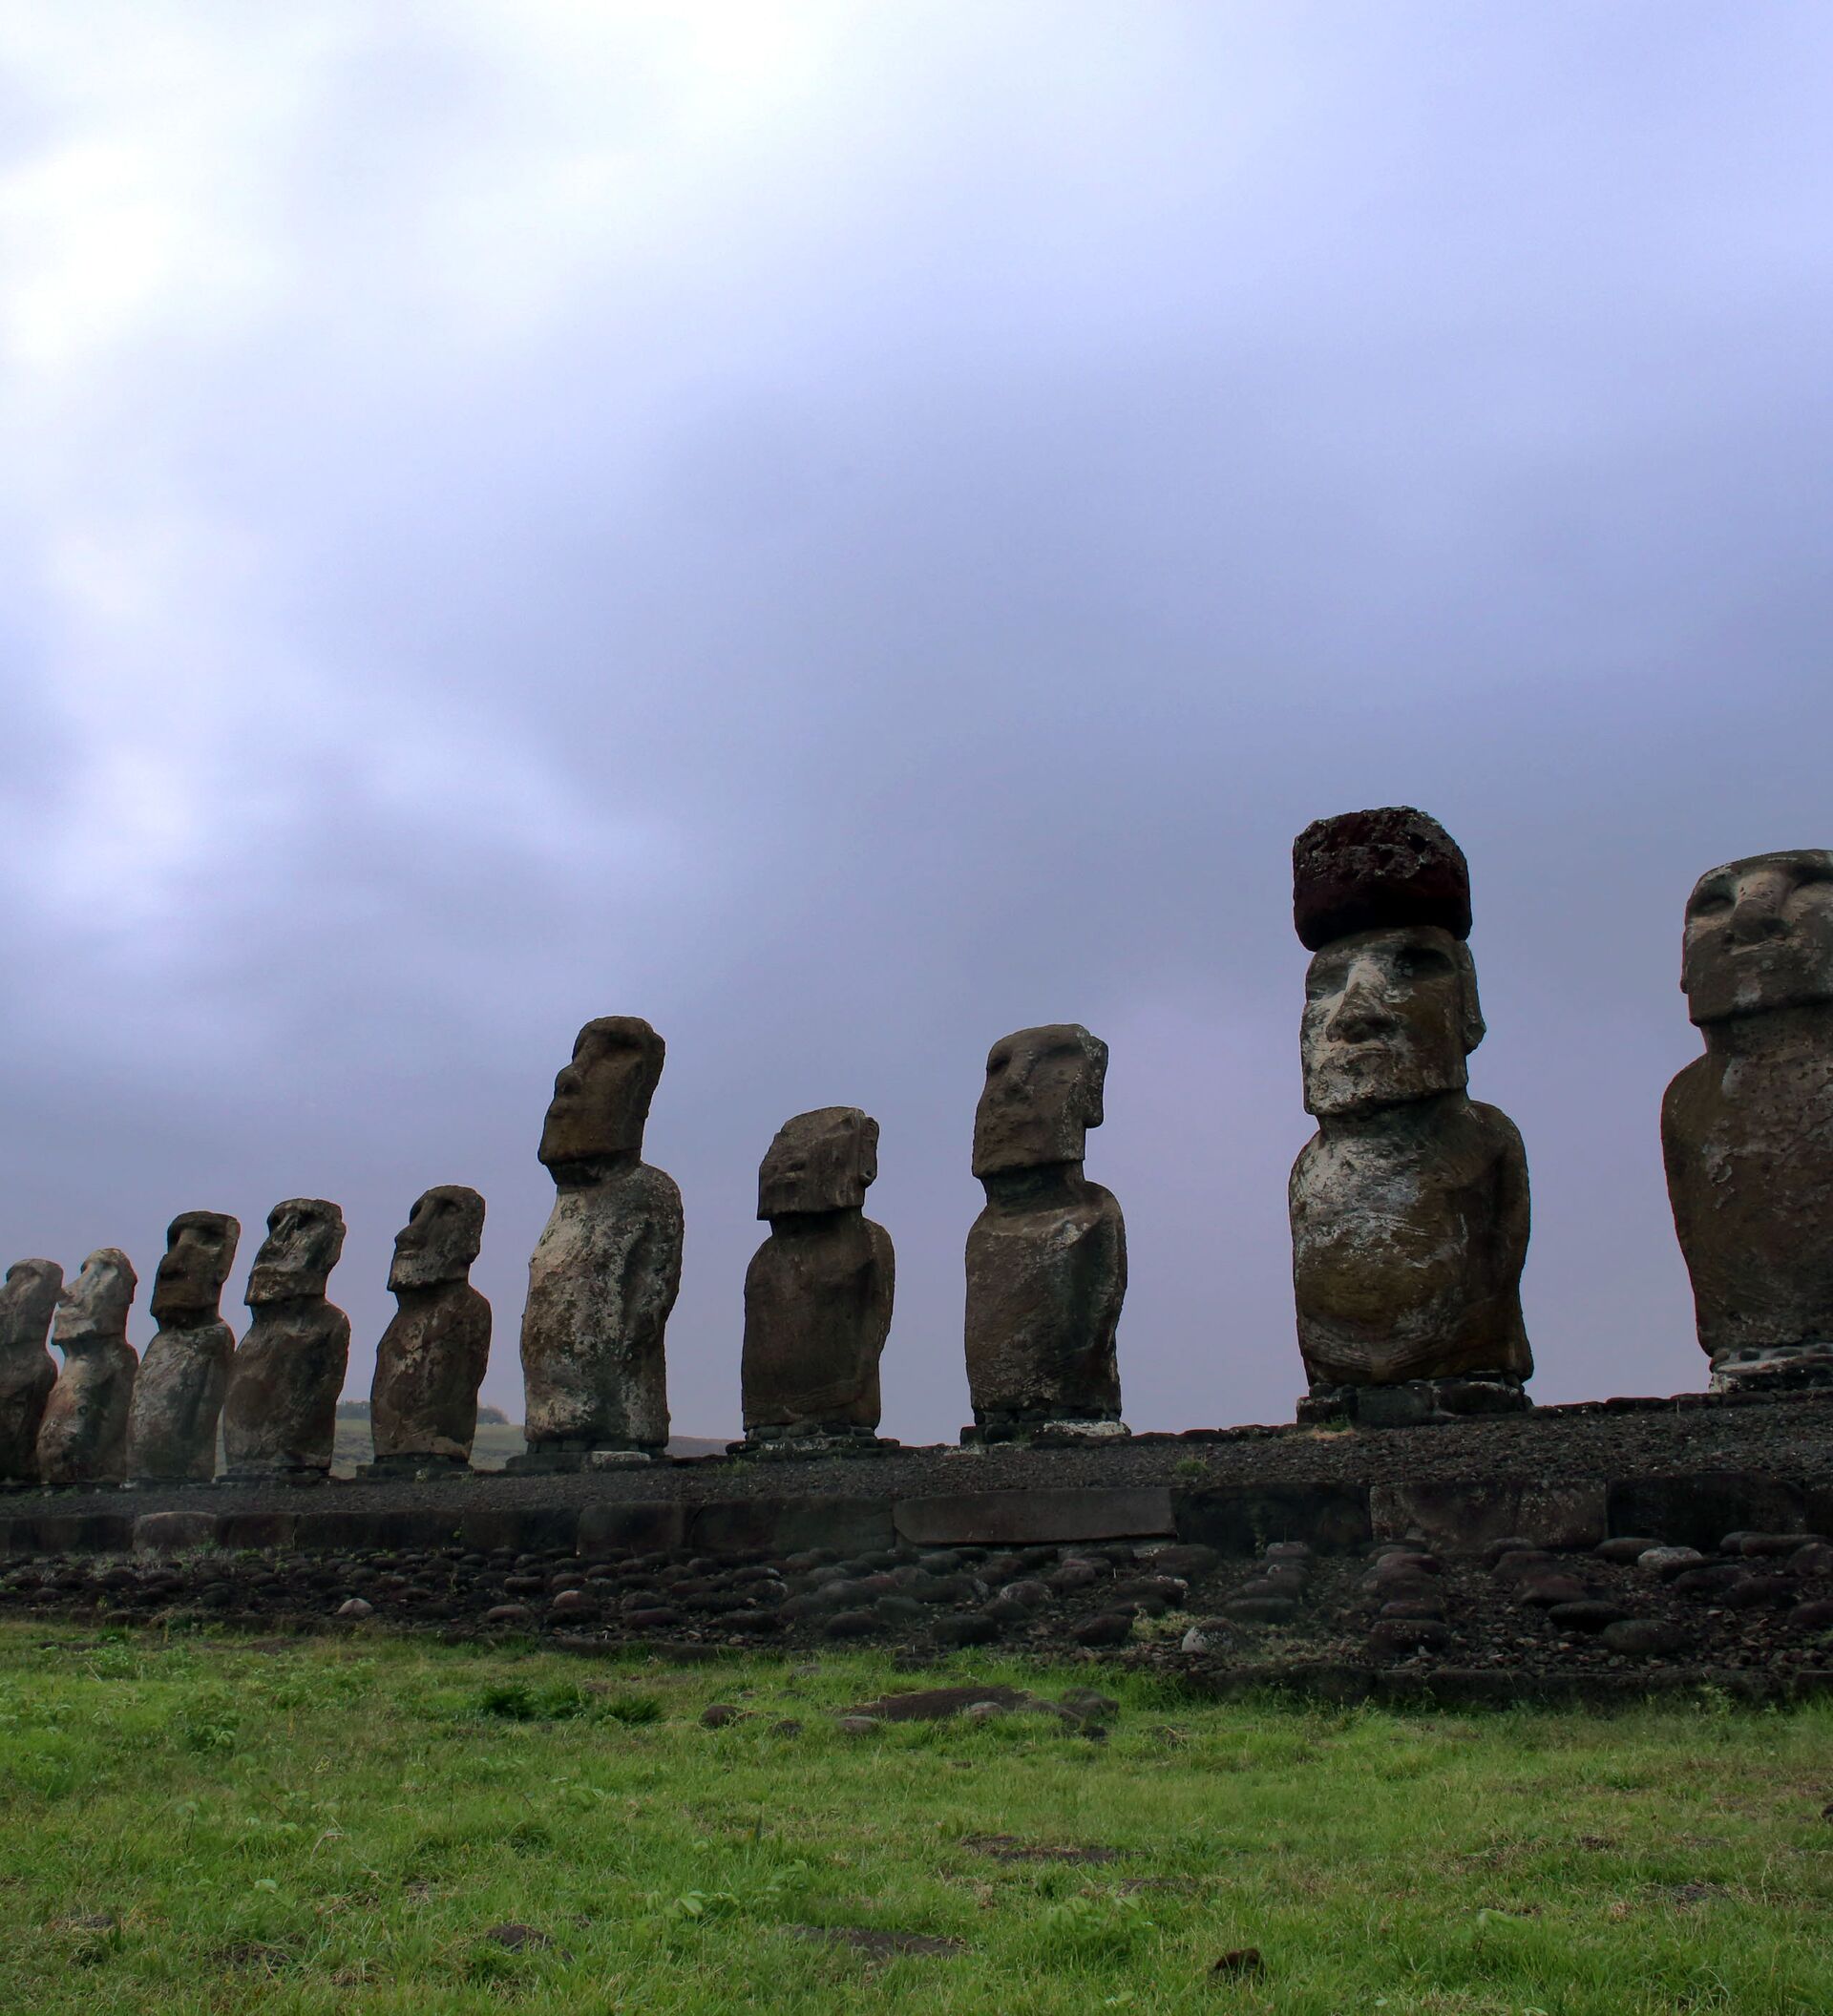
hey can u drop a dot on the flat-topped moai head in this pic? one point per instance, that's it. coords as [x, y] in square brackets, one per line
[95, 1306]
[600, 1101]
[28, 1301]
[441, 1238]
[1043, 1090]
[823, 1160]
[1759, 937]
[199, 1251]
[305, 1241]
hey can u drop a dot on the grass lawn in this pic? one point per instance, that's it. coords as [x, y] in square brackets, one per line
[197, 1824]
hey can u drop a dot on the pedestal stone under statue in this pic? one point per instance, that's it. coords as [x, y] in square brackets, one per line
[1410, 1204]
[1046, 1259]
[1747, 1129]
[423, 1404]
[606, 1271]
[280, 1415]
[818, 1291]
[177, 1397]
[27, 1371]
[83, 1437]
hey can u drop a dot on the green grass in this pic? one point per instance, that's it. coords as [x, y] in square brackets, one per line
[197, 1824]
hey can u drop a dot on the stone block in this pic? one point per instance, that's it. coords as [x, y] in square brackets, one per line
[360, 1532]
[1461, 1516]
[790, 1525]
[529, 1529]
[641, 1527]
[78, 1533]
[1034, 1518]
[257, 1529]
[1243, 1518]
[167, 1532]
[1698, 1509]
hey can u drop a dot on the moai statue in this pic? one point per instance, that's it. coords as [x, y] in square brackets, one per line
[82, 1438]
[604, 1274]
[177, 1398]
[1046, 1259]
[1747, 1129]
[1410, 1204]
[27, 1371]
[422, 1406]
[280, 1415]
[818, 1290]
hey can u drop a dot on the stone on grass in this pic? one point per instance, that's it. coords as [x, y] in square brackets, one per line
[1107, 1627]
[355, 1606]
[1648, 1637]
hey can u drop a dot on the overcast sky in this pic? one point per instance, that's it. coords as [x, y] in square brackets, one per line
[847, 530]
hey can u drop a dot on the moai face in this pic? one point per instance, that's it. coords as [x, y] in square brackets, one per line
[1760, 935]
[1390, 1016]
[601, 1099]
[96, 1303]
[440, 1239]
[1042, 1090]
[304, 1240]
[819, 1161]
[199, 1251]
[28, 1300]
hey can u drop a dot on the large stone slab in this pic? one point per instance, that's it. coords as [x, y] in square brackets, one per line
[1697, 1508]
[1033, 1518]
[787, 1525]
[644, 1527]
[1242, 1518]
[171, 1532]
[1461, 1516]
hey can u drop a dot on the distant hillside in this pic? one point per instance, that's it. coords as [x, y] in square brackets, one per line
[359, 1411]
[499, 1439]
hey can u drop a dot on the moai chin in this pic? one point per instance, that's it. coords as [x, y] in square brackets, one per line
[1747, 1129]
[27, 1371]
[1046, 1258]
[818, 1291]
[280, 1414]
[423, 1405]
[1410, 1204]
[82, 1438]
[607, 1269]
[177, 1397]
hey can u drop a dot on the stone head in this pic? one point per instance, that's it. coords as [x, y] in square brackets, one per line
[28, 1300]
[1043, 1089]
[819, 1161]
[96, 1303]
[601, 1099]
[199, 1251]
[304, 1240]
[440, 1239]
[1390, 1016]
[1758, 936]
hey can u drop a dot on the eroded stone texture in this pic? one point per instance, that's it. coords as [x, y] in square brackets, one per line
[280, 1414]
[27, 1371]
[1409, 1206]
[83, 1437]
[177, 1397]
[423, 1404]
[818, 1291]
[1747, 1129]
[606, 1272]
[1046, 1258]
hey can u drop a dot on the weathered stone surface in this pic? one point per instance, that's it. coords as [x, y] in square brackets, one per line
[423, 1401]
[639, 1527]
[27, 1371]
[1373, 870]
[174, 1532]
[1410, 1204]
[1747, 1129]
[1697, 1508]
[83, 1437]
[818, 1291]
[177, 1397]
[1245, 1518]
[280, 1413]
[1046, 1258]
[1465, 1517]
[1034, 1518]
[787, 1525]
[605, 1275]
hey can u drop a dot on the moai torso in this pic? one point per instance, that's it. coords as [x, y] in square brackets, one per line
[27, 1371]
[280, 1413]
[1046, 1258]
[818, 1291]
[1409, 1207]
[1747, 1129]
[177, 1397]
[432, 1356]
[83, 1437]
[606, 1272]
